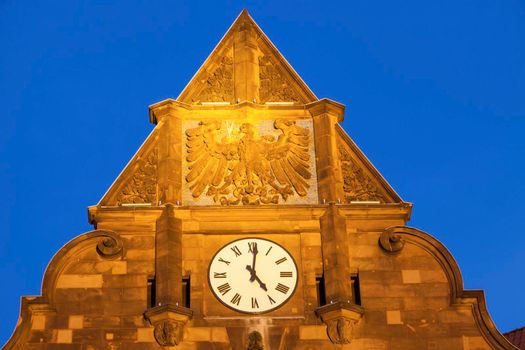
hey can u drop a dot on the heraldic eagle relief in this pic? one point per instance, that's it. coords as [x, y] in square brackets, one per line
[235, 164]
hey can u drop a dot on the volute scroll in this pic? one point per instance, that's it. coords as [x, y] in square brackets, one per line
[391, 242]
[110, 245]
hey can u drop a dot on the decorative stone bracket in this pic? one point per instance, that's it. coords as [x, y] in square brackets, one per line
[340, 319]
[169, 321]
[255, 341]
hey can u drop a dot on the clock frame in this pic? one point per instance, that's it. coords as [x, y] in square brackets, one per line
[273, 283]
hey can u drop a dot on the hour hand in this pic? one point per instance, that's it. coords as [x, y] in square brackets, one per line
[256, 278]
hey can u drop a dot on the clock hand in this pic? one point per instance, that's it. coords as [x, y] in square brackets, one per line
[255, 251]
[254, 277]
[262, 285]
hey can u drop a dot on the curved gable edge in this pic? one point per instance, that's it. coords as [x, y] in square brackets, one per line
[109, 246]
[459, 296]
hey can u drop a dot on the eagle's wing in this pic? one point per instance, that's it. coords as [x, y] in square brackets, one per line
[207, 159]
[289, 157]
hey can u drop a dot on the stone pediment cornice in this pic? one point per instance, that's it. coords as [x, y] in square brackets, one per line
[383, 211]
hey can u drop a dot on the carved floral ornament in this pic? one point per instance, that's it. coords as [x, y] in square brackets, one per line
[142, 186]
[235, 165]
[357, 185]
[273, 87]
[218, 85]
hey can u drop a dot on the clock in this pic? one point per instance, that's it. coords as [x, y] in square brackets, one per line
[252, 275]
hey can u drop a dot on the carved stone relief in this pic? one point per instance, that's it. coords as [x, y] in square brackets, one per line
[218, 85]
[341, 319]
[238, 163]
[169, 332]
[169, 321]
[340, 330]
[357, 185]
[142, 187]
[255, 341]
[273, 86]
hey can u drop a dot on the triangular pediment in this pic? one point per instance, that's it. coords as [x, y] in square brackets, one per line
[246, 66]
[137, 184]
[202, 150]
[362, 182]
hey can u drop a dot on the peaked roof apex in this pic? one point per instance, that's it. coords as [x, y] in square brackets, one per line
[246, 66]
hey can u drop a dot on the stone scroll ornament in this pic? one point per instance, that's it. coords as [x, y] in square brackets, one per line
[243, 167]
[109, 245]
[391, 242]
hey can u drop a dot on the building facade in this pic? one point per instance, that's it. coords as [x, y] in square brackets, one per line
[249, 219]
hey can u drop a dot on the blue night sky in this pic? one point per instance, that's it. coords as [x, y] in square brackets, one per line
[435, 96]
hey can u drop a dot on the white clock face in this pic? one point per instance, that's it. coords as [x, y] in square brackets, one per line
[252, 275]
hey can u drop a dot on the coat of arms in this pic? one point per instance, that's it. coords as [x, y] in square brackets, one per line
[237, 165]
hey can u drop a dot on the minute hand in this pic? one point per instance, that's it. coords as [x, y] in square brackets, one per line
[255, 251]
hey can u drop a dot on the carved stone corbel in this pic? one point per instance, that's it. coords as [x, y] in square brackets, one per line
[340, 319]
[255, 341]
[169, 322]
[168, 317]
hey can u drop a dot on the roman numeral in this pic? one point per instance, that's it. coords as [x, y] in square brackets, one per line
[281, 260]
[252, 247]
[255, 304]
[269, 249]
[224, 261]
[236, 251]
[221, 275]
[271, 300]
[282, 288]
[224, 288]
[286, 273]
[236, 299]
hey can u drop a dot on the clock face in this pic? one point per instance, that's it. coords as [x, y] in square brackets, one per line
[252, 275]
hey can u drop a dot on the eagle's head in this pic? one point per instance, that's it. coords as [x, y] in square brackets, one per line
[248, 129]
